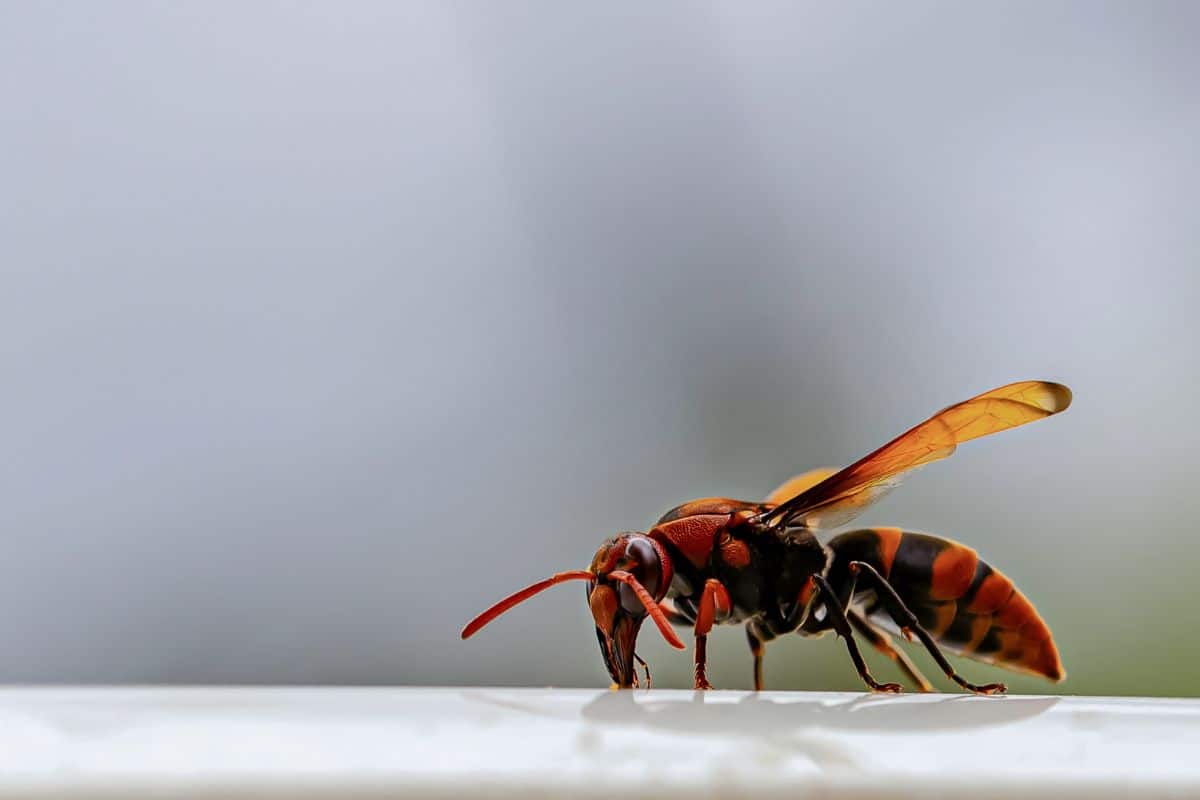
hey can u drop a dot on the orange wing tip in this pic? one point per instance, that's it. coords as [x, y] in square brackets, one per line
[1046, 395]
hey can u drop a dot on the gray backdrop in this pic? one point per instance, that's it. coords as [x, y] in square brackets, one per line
[325, 325]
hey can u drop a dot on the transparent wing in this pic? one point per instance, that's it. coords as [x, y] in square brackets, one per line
[797, 484]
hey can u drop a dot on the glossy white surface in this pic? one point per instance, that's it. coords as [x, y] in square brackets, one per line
[464, 742]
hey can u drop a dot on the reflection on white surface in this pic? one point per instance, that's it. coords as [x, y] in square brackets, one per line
[595, 743]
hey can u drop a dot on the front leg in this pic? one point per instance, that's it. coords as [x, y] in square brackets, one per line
[714, 602]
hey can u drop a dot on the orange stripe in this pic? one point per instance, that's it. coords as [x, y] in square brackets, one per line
[953, 571]
[889, 542]
[992, 594]
[1033, 659]
[1035, 630]
[1026, 642]
[1037, 652]
[1018, 611]
[1011, 646]
[1045, 661]
[979, 629]
[945, 617]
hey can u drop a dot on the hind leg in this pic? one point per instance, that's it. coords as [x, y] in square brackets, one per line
[883, 643]
[758, 636]
[907, 621]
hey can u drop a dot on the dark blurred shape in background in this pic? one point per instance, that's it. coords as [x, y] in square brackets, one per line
[326, 325]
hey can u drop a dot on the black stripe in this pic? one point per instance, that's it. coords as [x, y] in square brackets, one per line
[991, 642]
[959, 632]
[912, 569]
[928, 616]
[982, 570]
[861, 545]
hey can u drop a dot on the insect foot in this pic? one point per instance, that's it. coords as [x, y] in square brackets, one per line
[990, 688]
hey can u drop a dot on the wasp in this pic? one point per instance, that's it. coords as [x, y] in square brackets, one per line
[718, 561]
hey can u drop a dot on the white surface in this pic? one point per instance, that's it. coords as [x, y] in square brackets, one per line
[466, 742]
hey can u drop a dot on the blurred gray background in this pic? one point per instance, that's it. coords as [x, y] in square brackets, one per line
[322, 326]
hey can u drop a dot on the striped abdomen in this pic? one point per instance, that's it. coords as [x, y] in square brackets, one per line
[965, 604]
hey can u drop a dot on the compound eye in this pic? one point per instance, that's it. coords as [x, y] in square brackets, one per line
[647, 568]
[629, 601]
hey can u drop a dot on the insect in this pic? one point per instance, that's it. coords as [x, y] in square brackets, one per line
[717, 561]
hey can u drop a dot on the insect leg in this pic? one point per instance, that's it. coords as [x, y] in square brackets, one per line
[758, 636]
[837, 617]
[883, 643]
[645, 666]
[907, 621]
[713, 601]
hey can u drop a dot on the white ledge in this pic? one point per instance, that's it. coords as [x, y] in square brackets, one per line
[346, 742]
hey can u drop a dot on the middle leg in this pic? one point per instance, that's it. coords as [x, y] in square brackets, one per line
[758, 635]
[907, 622]
[837, 619]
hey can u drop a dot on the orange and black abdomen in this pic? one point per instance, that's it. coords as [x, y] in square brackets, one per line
[965, 604]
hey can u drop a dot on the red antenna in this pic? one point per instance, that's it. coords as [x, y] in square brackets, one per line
[521, 596]
[656, 612]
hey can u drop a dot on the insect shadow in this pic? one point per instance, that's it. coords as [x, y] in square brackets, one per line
[795, 725]
[761, 715]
